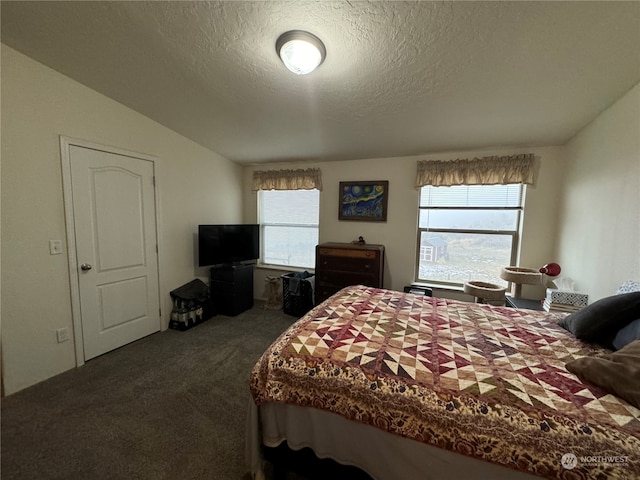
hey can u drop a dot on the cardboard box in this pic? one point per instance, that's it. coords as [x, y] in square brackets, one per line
[566, 297]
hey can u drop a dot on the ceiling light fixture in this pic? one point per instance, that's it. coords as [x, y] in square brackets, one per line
[301, 52]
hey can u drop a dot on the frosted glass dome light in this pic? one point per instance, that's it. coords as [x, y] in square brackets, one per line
[301, 52]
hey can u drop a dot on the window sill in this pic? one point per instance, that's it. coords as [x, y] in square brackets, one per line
[284, 268]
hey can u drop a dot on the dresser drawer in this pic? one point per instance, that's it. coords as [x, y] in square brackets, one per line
[342, 279]
[323, 292]
[347, 252]
[348, 264]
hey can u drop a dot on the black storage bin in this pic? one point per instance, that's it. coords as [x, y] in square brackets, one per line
[297, 293]
[418, 290]
[191, 305]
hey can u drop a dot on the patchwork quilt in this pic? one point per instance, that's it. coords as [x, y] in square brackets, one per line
[487, 382]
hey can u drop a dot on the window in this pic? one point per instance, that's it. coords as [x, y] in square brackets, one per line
[288, 227]
[467, 232]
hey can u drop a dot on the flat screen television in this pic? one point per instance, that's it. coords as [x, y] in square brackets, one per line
[227, 244]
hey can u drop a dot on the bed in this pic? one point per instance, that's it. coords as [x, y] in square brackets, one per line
[413, 387]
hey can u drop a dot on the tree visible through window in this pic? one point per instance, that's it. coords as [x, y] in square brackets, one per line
[288, 227]
[467, 232]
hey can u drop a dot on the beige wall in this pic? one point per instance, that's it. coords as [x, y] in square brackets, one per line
[586, 196]
[399, 233]
[195, 186]
[599, 218]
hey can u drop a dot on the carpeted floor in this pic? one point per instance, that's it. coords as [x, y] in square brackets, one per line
[169, 406]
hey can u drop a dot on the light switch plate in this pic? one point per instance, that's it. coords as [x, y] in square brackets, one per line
[62, 334]
[55, 247]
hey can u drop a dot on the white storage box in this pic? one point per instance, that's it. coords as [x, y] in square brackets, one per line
[566, 297]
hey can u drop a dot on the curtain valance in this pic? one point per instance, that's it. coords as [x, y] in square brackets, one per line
[300, 179]
[478, 171]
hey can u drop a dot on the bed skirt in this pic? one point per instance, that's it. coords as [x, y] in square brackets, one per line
[383, 455]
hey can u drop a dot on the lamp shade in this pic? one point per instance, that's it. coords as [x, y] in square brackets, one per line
[300, 51]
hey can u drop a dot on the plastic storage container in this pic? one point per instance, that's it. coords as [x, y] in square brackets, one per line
[297, 293]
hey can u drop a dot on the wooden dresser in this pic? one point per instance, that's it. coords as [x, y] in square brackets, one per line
[339, 265]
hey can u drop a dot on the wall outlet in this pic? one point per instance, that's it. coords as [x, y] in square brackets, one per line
[62, 334]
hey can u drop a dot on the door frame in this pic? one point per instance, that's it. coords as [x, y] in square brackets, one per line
[74, 278]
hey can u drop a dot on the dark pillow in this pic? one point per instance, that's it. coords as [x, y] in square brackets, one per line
[627, 334]
[600, 321]
[617, 373]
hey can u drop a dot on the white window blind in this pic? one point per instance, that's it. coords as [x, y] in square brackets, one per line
[477, 196]
[289, 226]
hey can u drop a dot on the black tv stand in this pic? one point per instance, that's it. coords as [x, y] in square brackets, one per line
[231, 288]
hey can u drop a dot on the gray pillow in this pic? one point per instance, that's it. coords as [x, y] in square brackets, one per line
[627, 334]
[617, 373]
[600, 321]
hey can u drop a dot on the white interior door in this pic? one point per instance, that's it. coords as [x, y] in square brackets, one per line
[116, 248]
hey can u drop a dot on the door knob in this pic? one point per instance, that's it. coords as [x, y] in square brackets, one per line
[85, 267]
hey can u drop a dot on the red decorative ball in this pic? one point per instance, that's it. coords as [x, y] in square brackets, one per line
[551, 269]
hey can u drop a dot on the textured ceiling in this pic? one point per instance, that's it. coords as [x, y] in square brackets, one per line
[400, 78]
